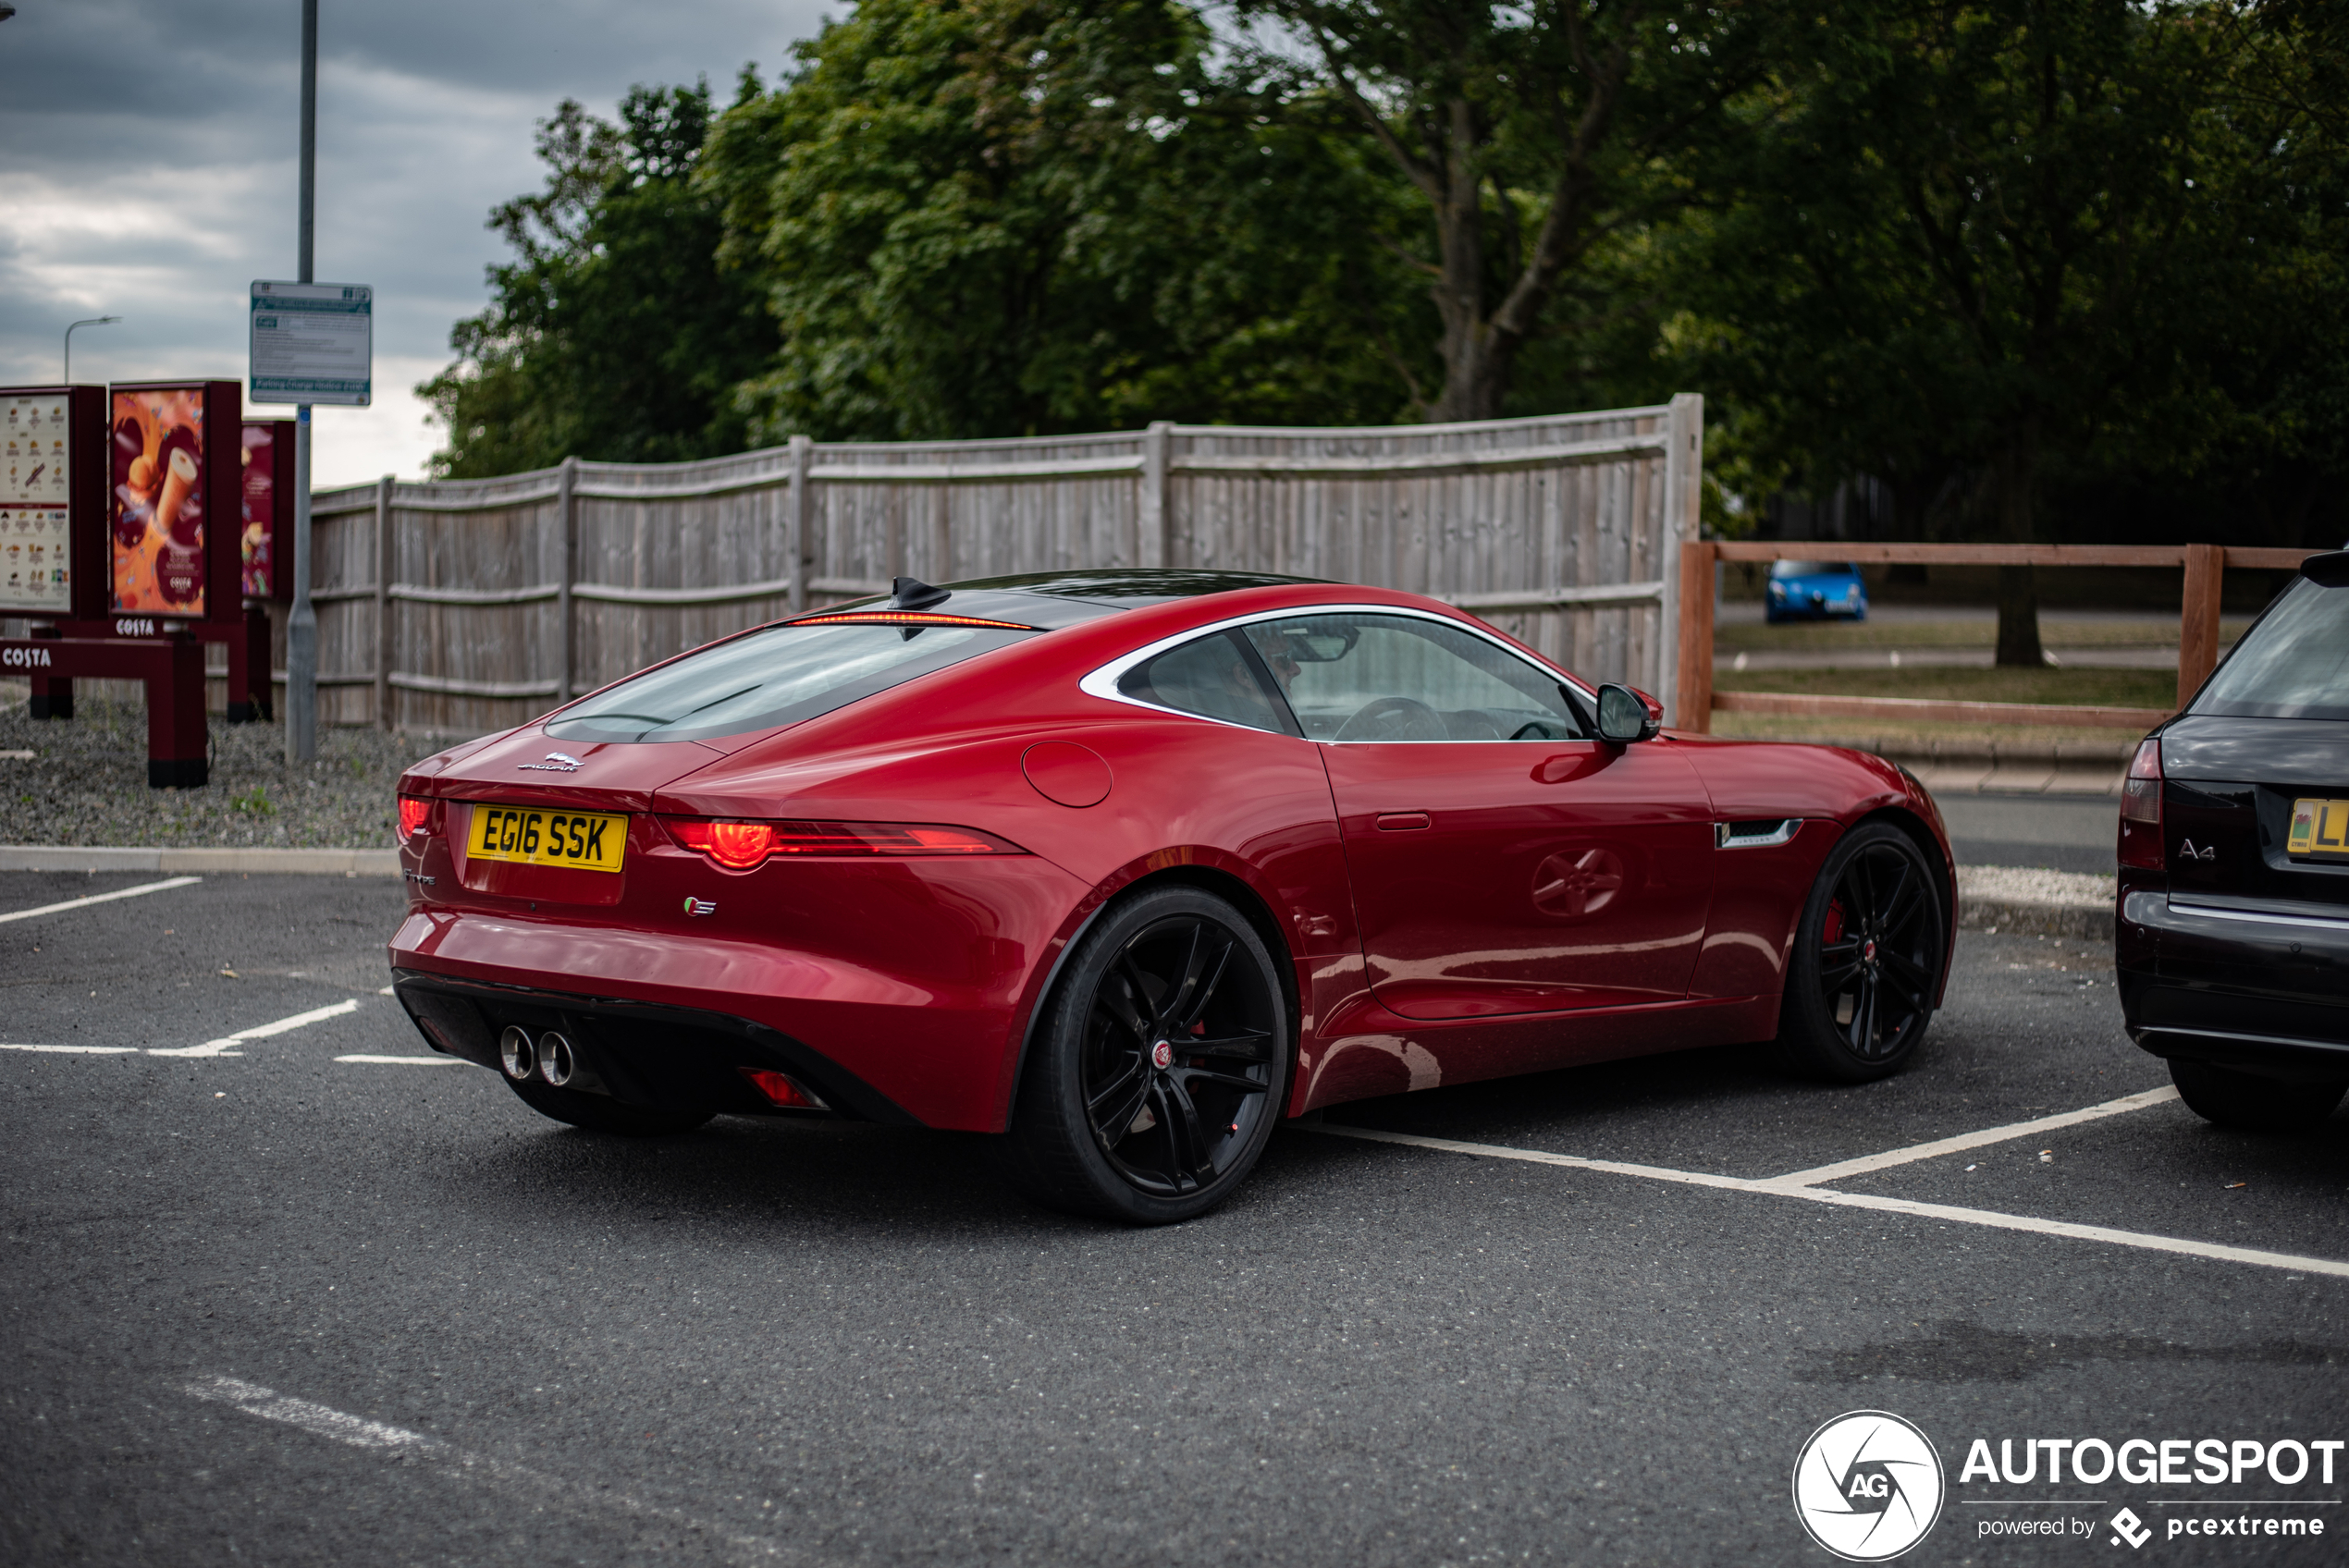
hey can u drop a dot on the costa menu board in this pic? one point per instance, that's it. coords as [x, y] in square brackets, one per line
[267, 502]
[174, 478]
[37, 446]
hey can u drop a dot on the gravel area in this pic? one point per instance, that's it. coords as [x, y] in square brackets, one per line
[2010, 884]
[86, 783]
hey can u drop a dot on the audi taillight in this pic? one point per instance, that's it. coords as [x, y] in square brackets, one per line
[416, 816]
[739, 845]
[2141, 810]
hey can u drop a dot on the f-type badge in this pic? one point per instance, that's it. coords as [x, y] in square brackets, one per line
[557, 762]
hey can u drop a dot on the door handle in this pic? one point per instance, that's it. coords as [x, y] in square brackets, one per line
[1404, 820]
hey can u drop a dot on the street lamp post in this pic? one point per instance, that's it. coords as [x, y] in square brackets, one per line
[93, 320]
[301, 619]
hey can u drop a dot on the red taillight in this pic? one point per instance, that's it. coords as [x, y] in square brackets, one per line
[739, 845]
[415, 815]
[2141, 810]
[780, 1090]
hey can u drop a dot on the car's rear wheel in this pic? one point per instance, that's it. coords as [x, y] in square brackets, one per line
[2255, 1104]
[1867, 958]
[601, 1113]
[1156, 1072]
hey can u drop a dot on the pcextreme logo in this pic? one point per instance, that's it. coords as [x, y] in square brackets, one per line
[1868, 1486]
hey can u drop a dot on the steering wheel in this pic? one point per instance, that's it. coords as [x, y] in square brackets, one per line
[1394, 718]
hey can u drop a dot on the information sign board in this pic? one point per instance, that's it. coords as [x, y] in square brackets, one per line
[313, 343]
[36, 540]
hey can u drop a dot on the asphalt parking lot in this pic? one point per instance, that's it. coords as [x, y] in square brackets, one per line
[309, 1296]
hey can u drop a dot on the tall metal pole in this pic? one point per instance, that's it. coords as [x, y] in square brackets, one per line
[302, 621]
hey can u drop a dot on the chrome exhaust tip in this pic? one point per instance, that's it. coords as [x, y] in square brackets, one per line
[556, 1065]
[515, 1051]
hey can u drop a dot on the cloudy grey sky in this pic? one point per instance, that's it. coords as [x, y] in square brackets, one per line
[148, 167]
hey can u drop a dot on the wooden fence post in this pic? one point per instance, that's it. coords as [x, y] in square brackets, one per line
[1683, 497]
[383, 601]
[1150, 523]
[803, 450]
[1695, 683]
[2198, 618]
[567, 521]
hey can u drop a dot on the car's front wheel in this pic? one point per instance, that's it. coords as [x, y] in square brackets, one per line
[1156, 1072]
[1866, 965]
[2246, 1100]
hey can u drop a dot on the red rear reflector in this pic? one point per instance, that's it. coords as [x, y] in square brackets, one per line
[2140, 844]
[739, 845]
[415, 815]
[907, 618]
[780, 1090]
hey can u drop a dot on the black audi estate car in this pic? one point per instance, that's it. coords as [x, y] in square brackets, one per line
[2233, 941]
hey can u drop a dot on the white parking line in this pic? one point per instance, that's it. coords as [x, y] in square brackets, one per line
[1777, 1188]
[76, 1050]
[534, 1487]
[100, 898]
[224, 1046]
[408, 1061]
[1965, 1140]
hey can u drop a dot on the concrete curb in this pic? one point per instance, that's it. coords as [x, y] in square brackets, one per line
[2031, 918]
[219, 861]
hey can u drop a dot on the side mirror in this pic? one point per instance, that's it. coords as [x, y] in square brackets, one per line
[1626, 715]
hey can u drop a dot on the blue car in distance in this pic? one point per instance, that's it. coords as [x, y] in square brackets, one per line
[1815, 590]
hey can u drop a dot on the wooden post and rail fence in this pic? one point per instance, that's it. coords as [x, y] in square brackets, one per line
[2205, 566]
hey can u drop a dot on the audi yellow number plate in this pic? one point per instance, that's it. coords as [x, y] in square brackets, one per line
[2319, 829]
[587, 840]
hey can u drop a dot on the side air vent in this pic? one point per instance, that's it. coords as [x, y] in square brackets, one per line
[1756, 834]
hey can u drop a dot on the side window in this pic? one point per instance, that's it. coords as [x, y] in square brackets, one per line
[1214, 677]
[1355, 677]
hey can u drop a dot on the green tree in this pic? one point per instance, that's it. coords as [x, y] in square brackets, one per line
[1969, 238]
[613, 334]
[988, 217]
[1532, 135]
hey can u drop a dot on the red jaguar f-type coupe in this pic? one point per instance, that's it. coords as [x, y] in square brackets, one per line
[1129, 865]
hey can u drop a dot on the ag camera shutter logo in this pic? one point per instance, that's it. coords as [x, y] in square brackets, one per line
[1868, 1486]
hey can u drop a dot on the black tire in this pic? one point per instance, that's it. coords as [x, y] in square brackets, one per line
[2255, 1104]
[1110, 1124]
[601, 1113]
[1867, 959]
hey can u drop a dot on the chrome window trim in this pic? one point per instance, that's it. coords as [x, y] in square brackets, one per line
[2306, 922]
[1783, 833]
[1103, 682]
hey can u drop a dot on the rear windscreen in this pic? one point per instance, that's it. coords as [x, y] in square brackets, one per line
[766, 679]
[2294, 663]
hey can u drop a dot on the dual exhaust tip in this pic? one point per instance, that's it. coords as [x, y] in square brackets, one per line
[549, 1057]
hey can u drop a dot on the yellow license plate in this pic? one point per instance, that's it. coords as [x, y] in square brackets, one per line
[2319, 829]
[585, 841]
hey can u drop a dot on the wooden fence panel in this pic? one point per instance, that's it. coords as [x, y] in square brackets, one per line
[508, 595]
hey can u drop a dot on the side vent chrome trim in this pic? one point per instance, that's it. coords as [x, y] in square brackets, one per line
[1754, 834]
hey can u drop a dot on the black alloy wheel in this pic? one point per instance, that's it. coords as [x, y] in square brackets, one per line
[1157, 1071]
[1867, 960]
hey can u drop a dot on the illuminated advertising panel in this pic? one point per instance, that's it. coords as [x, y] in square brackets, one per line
[267, 502]
[174, 480]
